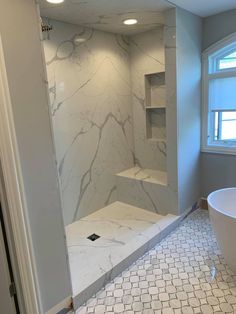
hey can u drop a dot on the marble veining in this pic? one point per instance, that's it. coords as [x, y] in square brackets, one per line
[146, 191]
[148, 175]
[99, 122]
[147, 56]
[90, 94]
[123, 231]
[98, 106]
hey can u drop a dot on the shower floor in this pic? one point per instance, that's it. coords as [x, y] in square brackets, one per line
[125, 233]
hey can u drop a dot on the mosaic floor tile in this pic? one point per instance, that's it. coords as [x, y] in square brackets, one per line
[183, 274]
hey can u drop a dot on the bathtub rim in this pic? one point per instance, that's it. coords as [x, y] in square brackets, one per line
[217, 209]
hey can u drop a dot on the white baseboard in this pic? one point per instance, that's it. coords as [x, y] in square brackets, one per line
[65, 304]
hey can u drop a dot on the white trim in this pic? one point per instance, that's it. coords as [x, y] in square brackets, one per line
[5, 282]
[15, 196]
[66, 303]
[204, 129]
[218, 148]
[223, 74]
[11, 245]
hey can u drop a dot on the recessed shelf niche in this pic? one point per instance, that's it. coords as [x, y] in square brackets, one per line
[155, 92]
[156, 124]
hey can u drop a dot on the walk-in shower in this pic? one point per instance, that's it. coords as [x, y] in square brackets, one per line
[113, 110]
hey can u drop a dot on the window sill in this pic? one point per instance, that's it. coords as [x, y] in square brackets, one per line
[223, 150]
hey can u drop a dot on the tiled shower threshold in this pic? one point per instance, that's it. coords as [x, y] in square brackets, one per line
[125, 234]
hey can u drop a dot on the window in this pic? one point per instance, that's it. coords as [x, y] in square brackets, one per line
[225, 126]
[228, 61]
[219, 97]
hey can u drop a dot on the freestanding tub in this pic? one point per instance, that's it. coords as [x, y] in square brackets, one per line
[222, 207]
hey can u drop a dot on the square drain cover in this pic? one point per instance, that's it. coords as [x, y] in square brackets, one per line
[93, 237]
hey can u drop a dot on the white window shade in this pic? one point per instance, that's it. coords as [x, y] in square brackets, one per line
[222, 94]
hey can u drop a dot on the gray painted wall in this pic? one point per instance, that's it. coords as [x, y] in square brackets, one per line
[29, 96]
[218, 26]
[188, 37]
[217, 170]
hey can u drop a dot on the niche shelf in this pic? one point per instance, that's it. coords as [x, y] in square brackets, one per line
[155, 90]
[156, 124]
[155, 93]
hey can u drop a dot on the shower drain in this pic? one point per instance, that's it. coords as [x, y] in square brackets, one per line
[93, 237]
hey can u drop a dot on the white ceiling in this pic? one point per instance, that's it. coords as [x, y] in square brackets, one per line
[108, 15]
[205, 8]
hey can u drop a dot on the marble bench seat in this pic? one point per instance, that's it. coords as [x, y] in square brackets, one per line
[147, 175]
[146, 188]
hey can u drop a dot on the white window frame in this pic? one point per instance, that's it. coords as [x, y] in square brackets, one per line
[220, 147]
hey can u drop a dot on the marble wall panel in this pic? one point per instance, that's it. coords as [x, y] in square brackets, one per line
[147, 53]
[91, 106]
[97, 102]
[171, 98]
[156, 198]
[162, 45]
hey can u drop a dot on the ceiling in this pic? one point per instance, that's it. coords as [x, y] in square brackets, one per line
[205, 8]
[108, 15]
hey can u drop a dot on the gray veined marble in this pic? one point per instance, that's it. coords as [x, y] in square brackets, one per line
[92, 115]
[125, 231]
[147, 56]
[116, 180]
[98, 105]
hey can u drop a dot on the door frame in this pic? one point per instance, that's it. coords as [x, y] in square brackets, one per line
[13, 181]
[10, 245]
[10, 304]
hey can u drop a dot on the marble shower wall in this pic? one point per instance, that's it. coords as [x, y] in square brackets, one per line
[154, 52]
[91, 105]
[147, 53]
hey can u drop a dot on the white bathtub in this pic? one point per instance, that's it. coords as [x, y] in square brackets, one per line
[222, 207]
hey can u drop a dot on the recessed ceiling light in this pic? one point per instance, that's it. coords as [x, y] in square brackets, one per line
[130, 21]
[55, 1]
[79, 40]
